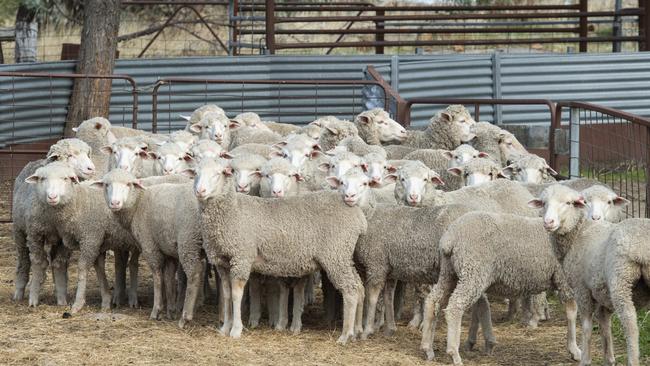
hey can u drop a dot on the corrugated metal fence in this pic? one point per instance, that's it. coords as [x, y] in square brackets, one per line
[615, 80]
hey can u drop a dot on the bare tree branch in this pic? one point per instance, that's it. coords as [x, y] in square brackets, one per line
[156, 28]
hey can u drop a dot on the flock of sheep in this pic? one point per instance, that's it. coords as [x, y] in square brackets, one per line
[359, 208]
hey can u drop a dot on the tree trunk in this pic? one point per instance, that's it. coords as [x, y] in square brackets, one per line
[92, 97]
[26, 34]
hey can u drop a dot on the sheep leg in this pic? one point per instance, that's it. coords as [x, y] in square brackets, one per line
[417, 308]
[604, 318]
[237, 288]
[309, 296]
[485, 318]
[586, 312]
[472, 332]
[38, 259]
[513, 308]
[226, 301]
[255, 307]
[389, 308]
[400, 291]
[22, 265]
[467, 292]
[169, 281]
[119, 291]
[620, 287]
[345, 280]
[60, 273]
[181, 288]
[273, 301]
[194, 272]
[373, 291]
[567, 297]
[571, 310]
[283, 305]
[299, 295]
[437, 299]
[133, 278]
[361, 294]
[104, 288]
[82, 280]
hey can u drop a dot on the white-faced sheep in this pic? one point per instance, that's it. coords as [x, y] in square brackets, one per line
[214, 126]
[207, 149]
[376, 127]
[497, 142]
[376, 167]
[250, 119]
[247, 171]
[508, 254]
[604, 204]
[198, 113]
[279, 179]
[163, 219]
[333, 131]
[477, 171]
[75, 212]
[447, 130]
[96, 132]
[170, 159]
[529, 168]
[298, 149]
[607, 265]
[463, 154]
[340, 163]
[130, 154]
[244, 234]
[76, 154]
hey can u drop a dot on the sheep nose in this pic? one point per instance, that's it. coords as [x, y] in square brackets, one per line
[52, 196]
[414, 196]
[241, 188]
[595, 217]
[549, 222]
[277, 193]
[376, 179]
[115, 203]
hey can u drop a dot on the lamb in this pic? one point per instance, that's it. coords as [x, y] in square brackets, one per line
[170, 159]
[463, 154]
[496, 142]
[447, 129]
[340, 163]
[604, 204]
[509, 254]
[164, 220]
[376, 127]
[96, 132]
[333, 131]
[74, 211]
[75, 153]
[198, 113]
[214, 126]
[131, 154]
[477, 171]
[607, 265]
[401, 244]
[237, 249]
[529, 168]
[438, 161]
[246, 169]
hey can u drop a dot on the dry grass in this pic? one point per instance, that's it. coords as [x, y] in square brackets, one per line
[41, 336]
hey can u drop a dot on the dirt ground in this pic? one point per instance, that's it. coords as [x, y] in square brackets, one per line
[41, 336]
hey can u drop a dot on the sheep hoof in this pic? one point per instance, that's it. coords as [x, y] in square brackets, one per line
[19, 295]
[489, 347]
[235, 332]
[224, 331]
[343, 339]
[576, 354]
[133, 303]
[455, 357]
[469, 345]
[154, 314]
[365, 335]
[76, 307]
[182, 322]
[295, 328]
[62, 302]
[253, 324]
[389, 332]
[429, 355]
[33, 303]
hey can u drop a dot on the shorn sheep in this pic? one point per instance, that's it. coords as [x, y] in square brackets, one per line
[244, 234]
[607, 265]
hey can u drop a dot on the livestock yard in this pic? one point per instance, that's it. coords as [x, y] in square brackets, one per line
[428, 182]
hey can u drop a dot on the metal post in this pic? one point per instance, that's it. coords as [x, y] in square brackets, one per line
[379, 36]
[574, 139]
[496, 86]
[394, 72]
[234, 27]
[584, 24]
[270, 26]
[616, 27]
[644, 26]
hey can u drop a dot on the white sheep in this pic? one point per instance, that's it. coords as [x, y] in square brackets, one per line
[463, 154]
[497, 142]
[447, 130]
[333, 131]
[170, 158]
[214, 126]
[529, 168]
[250, 135]
[607, 265]
[477, 171]
[376, 127]
[207, 149]
[279, 179]
[604, 204]
[257, 149]
[130, 154]
[198, 113]
[247, 171]
[244, 234]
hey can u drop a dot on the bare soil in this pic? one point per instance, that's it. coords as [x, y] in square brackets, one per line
[126, 336]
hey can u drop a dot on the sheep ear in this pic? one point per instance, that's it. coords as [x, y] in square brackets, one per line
[316, 123]
[53, 157]
[391, 168]
[106, 150]
[227, 171]
[334, 182]
[620, 201]
[482, 154]
[187, 118]
[234, 124]
[74, 179]
[98, 126]
[188, 158]
[255, 173]
[362, 118]
[315, 154]
[448, 154]
[298, 177]
[279, 145]
[196, 128]
[143, 155]
[324, 167]
[97, 184]
[579, 202]
[189, 173]
[138, 184]
[437, 181]
[551, 170]
[225, 155]
[274, 154]
[508, 171]
[364, 167]
[457, 171]
[153, 154]
[316, 147]
[536, 203]
[333, 131]
[32, 179]
[75, 129]
[446, 116]
[501, 175]
[390, 178]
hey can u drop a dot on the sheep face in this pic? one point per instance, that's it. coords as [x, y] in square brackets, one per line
[340, 164]
[413, 180]
[376, 168]
[477, 171]
[280, 183]
[207, 149]
[354, 186]
[54, 183]
[118, 185]
[171, 159]
[298, 153]
[604, 204]
[97, 126]
[561, 208]
[245, 179]
[462, 155]
[529, 169]
[388, 129]
[124, 155]
[219, 128]
[210, 178]
[78, 159]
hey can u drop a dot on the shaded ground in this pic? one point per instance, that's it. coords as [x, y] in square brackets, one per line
[41, 336]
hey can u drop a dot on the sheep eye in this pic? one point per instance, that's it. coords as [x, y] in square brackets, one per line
[402, 179]
[609, 202]
[568, 203]
[365, 183]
